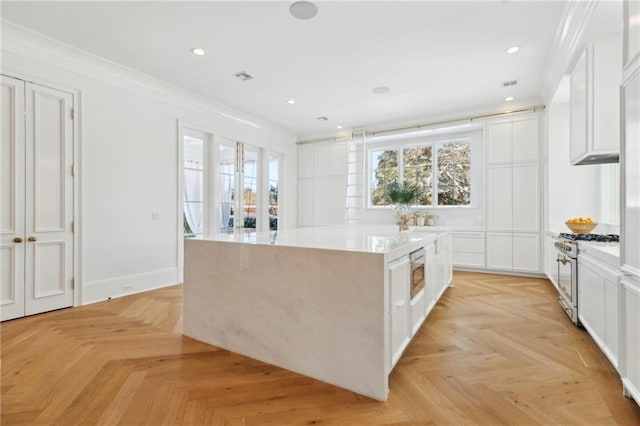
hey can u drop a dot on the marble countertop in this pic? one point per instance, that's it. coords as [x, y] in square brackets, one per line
[385, 239]
[608, 253]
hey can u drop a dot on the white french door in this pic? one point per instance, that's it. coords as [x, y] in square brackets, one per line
[36, 199]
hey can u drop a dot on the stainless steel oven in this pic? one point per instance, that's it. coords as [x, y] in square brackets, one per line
[567, 275]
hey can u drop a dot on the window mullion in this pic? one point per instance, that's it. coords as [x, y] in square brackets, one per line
[434, 174]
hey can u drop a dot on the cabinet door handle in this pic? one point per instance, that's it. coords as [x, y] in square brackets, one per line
[17, 240]
[399, 303]
[32, 239]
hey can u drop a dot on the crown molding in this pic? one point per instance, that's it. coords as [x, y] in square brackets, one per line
[40, 48]
[565, 44]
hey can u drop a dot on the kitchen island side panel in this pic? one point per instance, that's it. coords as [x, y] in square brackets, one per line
[316, 312]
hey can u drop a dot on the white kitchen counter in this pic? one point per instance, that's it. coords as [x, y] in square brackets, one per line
[608, 253]
[383, 239]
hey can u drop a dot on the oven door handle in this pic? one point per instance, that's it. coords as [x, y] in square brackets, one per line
[562, 260]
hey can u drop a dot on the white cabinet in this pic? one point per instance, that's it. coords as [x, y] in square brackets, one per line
[499, 198]
[322, 184]
[595, 103]
[630, 338]
[513, 195]
[499, 250]
[468, 249]
[598, 300]
[526, 252]
[526, 198]
[399, 274]
[444, 265]
[514, 140]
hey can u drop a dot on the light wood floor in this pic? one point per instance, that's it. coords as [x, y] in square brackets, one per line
[496, 350]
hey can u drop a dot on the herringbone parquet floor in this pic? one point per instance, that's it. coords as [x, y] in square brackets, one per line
[497, 350]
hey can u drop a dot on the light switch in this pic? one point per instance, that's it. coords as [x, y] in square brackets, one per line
[155, 215]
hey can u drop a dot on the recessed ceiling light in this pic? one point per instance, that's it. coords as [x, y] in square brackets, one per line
[197, 51]
[509, 98]
[380, 90]
[303, 10]
[512, 49]
[338, 127]
[291, 101]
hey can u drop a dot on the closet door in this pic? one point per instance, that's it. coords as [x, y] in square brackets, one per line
[49, 200]
[12, 173]
[36, 198]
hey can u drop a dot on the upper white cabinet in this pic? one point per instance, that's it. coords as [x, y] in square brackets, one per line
[513, 194]
[513, 141]
[595, 103]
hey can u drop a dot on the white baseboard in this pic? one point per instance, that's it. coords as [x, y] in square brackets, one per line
[97, 291]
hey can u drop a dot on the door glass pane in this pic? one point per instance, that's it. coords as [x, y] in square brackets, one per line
[227, 181]
[193, 186]
[250, 186]
[274, 187]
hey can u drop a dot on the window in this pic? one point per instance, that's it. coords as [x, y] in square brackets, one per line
[193, 182]
[441, 169]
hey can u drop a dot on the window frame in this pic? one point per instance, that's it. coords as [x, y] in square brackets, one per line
[400, 144]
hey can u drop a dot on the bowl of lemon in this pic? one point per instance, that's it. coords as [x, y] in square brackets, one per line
[581, 225]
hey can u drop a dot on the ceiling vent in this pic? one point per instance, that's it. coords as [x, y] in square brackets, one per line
[243, 76]
[509, 83]
[323, 118]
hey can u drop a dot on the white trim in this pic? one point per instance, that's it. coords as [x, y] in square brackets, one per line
[99, 290]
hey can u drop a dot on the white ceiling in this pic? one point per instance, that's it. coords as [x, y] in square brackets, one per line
[438, 58]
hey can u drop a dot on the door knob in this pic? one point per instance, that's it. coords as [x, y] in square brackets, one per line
[32, 238]
[17, 240]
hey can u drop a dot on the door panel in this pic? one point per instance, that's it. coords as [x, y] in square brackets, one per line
[12, 160]
[48, 138]
[526, 196]
[499, 198]
[49, 200]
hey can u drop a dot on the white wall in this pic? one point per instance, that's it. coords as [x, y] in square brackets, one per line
[129, 160]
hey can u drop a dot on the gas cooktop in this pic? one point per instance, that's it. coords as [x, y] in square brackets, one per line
[601, 238]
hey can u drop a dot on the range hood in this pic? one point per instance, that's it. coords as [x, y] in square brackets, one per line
[597, 158]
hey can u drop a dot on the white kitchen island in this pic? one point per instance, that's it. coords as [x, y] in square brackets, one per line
[332, 303]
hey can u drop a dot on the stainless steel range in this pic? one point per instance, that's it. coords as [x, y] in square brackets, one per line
[567, 268]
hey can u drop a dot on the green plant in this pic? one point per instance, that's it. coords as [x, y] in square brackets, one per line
[402, 193]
